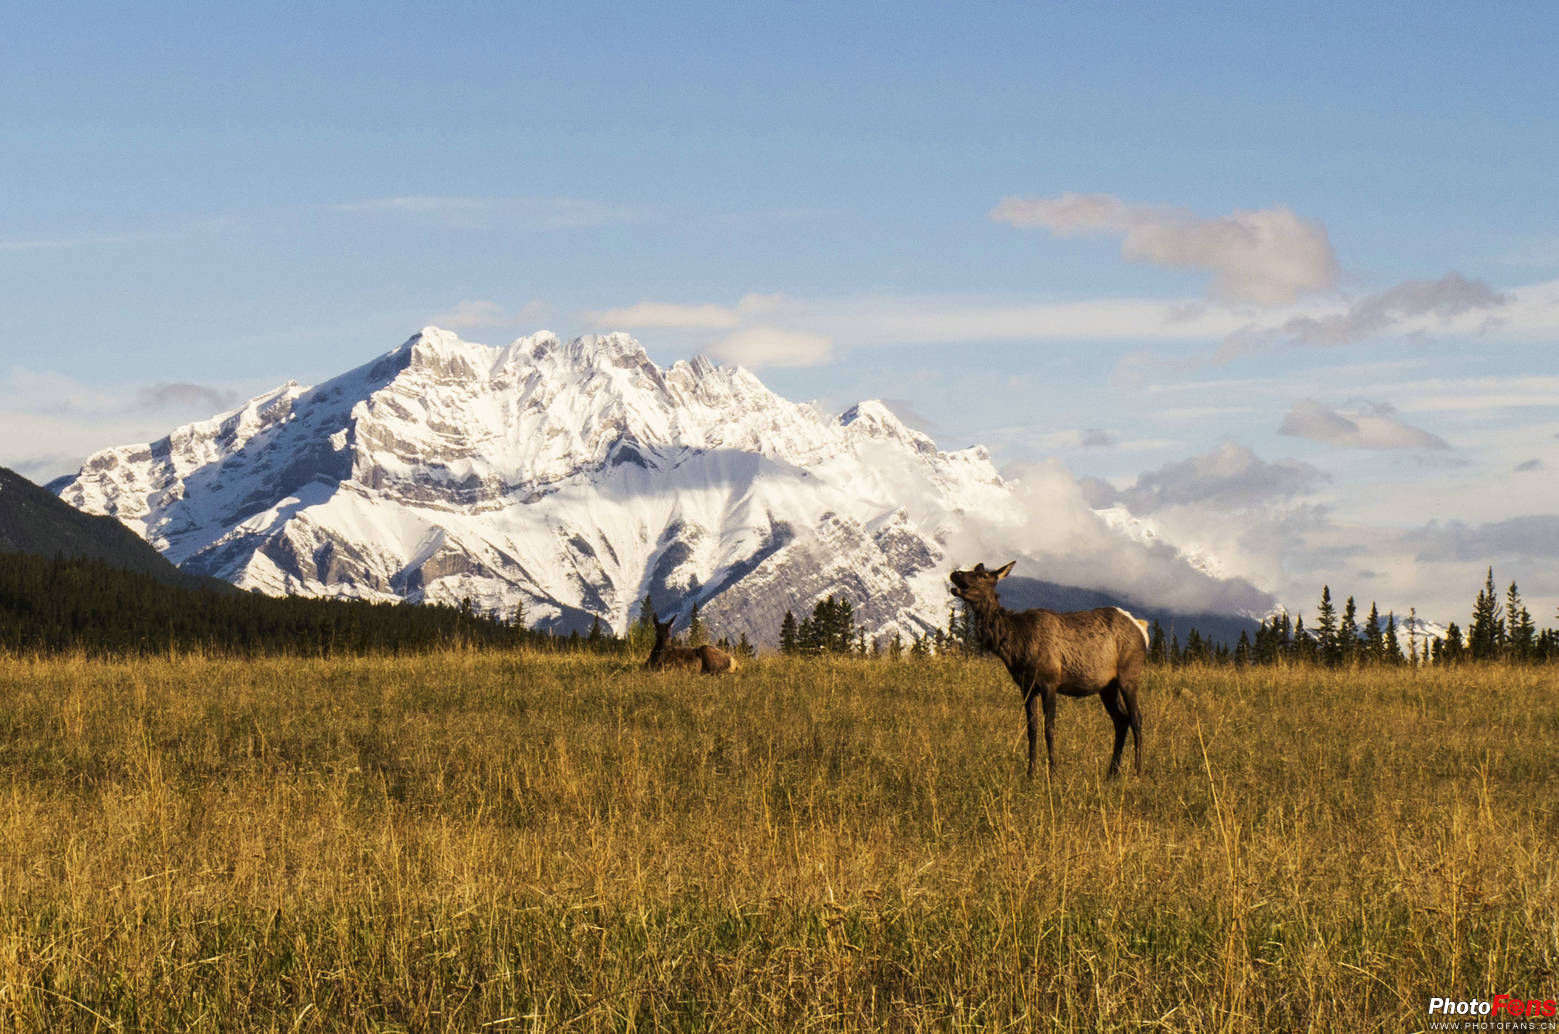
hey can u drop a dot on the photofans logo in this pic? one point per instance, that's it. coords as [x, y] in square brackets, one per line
[1502, 1012]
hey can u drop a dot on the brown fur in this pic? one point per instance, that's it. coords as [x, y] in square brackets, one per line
[1047, 653]
[710, 660]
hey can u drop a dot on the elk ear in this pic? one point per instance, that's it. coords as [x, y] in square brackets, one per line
[1004, 571]
[979, 568]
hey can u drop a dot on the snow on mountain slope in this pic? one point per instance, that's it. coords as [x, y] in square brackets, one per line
[571, 478]
[1143, 531]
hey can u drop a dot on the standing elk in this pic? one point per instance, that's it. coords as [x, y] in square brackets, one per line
[663, 655]
[1078, 654]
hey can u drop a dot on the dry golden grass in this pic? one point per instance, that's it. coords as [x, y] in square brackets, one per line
[473, 841]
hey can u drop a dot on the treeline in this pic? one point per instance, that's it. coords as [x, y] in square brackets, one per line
[77, 604]
[1498, 631]
[1501, 629]
[831, 629]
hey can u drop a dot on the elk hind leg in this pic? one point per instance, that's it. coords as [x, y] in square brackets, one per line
[1134, 716]
[1112, 703]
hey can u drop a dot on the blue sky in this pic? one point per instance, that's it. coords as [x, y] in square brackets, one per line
[198, 204]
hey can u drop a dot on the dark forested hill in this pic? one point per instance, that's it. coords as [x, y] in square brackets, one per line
[72, 581]
[69, 604]
[34, 521]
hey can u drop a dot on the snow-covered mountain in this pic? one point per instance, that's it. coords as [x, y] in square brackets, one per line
[570, 478]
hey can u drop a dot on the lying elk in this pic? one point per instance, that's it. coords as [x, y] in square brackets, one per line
[708, 659]
[1078, 654]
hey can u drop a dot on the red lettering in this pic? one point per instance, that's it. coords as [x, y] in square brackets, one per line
[1505, 1003]
[1550, 1007]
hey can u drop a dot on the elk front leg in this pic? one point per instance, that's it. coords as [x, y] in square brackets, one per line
[1049, 696]
[1031, 706]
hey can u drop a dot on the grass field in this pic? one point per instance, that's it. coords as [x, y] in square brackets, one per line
[469, 841]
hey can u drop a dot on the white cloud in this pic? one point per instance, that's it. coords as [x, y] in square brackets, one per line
[1266, 256]
[1072, 545]
[770, 346]
[50, 422]
[481, 312]
[648, 313]
[1228, 477]
[1368, 426]
[667, 314]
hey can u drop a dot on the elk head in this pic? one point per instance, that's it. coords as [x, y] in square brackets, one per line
[977, 585]
[663, 629]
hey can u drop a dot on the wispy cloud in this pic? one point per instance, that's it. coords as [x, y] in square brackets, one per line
[48, 421]
[1368, 425]
[1265, 256]
[463, 211]
[416, 204]
[16, 244]
[754, 339]
[1478, 394]
[1380, 313]
[648, 314]
[481, 312]
[182, 395]
[1452, 305]
[1534, 536]
[760, 346]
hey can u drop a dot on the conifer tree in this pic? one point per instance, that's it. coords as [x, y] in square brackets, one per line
[1195, 648]
[790, 638]
[1374, 638]
[1307, 646]
[1326, 628]
[1390, 648]
[1157, 651]
[642, 635]
[896, 646]
[806, 637]
[1450, 649]
[1521, 634]
[1348, 634]
[1486, 634]
[744, 647]
[697, 635]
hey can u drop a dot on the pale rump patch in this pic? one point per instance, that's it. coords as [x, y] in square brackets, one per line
[1142, 626]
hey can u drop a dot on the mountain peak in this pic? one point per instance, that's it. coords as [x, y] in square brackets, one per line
[874, 419]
